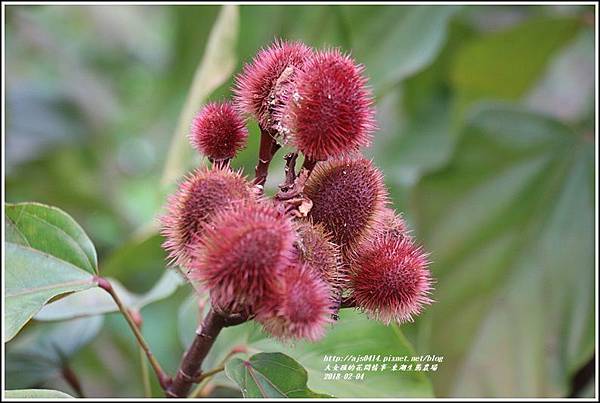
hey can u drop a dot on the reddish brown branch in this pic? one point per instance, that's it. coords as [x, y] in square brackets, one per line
[268, 148]
[190, 368]
[290, 171]
[309, 164]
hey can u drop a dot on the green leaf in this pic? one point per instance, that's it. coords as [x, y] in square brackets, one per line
[408, 44]
[504, 65]
[352, 334]
[417, 134]
[47, 254]
[36, 394]
[423, 143]
[41, 353]
[97, 301]
[510, 227]
[567, 86]
[12, 233]
[51, 230]
[216, 66]
[32, 279]
[273, 375]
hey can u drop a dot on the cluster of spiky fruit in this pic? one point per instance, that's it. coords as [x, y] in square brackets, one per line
[293, 268]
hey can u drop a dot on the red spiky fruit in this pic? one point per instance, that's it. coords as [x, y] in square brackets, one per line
[393, 223]
[263, 82]
[316, 250]
[329, 112]
[241, 253]
[200, 195]
[302, 308]
[390, 279]
[349, 198]
[218, 131]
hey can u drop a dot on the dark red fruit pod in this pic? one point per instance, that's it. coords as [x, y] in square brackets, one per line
[260, 87]
[201, 194]
[349, 199]
[329, 112]
[302, 307]
[218, 131]
[390, 279]
[241, 253]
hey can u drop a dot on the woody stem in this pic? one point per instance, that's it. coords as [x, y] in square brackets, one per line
[268, 148]
[163, 378]
[190, 368]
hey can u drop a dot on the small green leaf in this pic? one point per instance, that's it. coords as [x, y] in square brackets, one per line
[51, 230]
[32, 279]
[47, 254]
[40, 353]
[270, 375]
[216, 66]
[36, 394]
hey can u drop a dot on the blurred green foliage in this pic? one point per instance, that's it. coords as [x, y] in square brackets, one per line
[486, 140]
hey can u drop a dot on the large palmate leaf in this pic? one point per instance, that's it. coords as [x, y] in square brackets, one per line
[504, 65]
[353, 334]
[510, 227]
[47, 254]
[416, 132]
[42, 353]
[36, 394]
[408, 39]
[273, 375]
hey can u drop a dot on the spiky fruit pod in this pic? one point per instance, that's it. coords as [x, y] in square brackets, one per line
[316, 250]
[241, 253]
[390, 279]
[200, 195]
[302, 308]
[329, 112]
[349, 198]
[389, 223]
[263, 82]
[218, 131]
[393, 223]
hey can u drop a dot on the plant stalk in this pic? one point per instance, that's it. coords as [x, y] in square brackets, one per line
[163, 378]
[145, 378]
[268, 148]
[190, 368]
[192, 359]
[205, 376]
